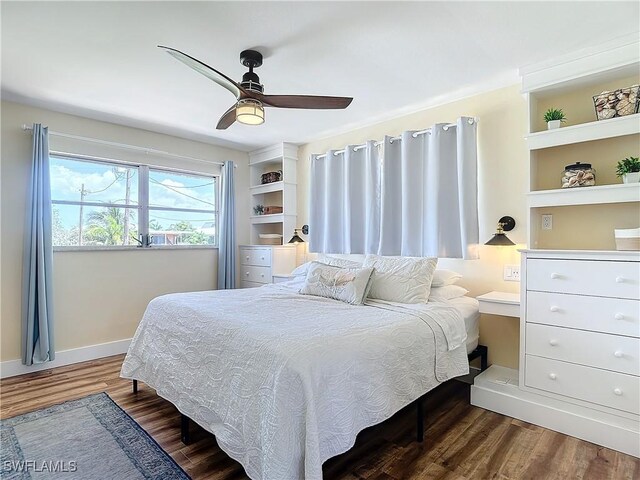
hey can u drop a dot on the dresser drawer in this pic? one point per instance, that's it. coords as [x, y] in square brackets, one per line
[600, 350]
[255, 256]
[611, 389]
[585, 277]
[250, 273]
[244, 284]
[608, 315]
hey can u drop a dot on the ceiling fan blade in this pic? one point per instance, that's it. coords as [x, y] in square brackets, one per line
[227, 119]
[209, 72]
[303, 101]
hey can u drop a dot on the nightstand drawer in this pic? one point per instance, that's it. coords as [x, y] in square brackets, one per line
[608, 315]
[614, 390]
[584, 277]
[600, 350]
[250, 273]
[255, 256]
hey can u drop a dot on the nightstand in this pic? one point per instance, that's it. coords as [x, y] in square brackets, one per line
[500, 303]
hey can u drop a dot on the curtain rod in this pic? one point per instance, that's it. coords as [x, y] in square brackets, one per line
[396, 139]
[147, 151]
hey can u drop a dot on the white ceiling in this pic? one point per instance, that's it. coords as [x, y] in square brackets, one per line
[99, 59]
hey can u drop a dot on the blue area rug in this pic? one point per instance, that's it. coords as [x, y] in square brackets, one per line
[89, 439]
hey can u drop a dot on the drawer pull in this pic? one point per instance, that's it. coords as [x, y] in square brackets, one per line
[617, 391]
[618, 316]
[261, 258]
[247, 257]
[620, 280]
[555, 275]
[553, 376]
[555, 309]
[618, 354]
[262, 274]
[247, 274]
[553, 342]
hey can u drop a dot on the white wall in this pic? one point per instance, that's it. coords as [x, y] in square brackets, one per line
[99, 296]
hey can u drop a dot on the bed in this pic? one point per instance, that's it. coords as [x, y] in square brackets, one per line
[290, 381]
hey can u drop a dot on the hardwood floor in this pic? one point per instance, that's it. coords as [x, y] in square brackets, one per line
[461, 441]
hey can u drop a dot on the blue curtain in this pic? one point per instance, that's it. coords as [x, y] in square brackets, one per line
[37, 292]
[227, 244]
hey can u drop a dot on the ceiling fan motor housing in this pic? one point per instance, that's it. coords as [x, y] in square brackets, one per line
[250, 80]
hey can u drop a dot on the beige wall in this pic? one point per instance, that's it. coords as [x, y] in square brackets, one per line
[503, 161]
[99, 296]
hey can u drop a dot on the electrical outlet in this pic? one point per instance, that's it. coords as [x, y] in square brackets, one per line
[547, 221]
[512, 273]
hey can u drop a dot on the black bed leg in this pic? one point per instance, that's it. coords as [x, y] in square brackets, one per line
[484, 358]
[135, 386]
[419, 420]
[184, 429]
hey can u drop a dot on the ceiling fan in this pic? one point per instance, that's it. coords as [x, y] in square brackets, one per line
[250, 99]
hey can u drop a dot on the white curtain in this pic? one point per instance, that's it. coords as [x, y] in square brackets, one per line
[416, 196]
[345, 200]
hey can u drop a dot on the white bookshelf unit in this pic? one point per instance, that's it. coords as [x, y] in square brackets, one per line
[281, 157]
[580, 302]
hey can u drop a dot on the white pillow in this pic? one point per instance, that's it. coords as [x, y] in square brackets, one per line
[443, 278]
[338, 262]
[301, 270]
[349, 285]
[401, 279]
[448, 292]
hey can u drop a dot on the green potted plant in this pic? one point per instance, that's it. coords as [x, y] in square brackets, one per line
[629, 170]
[554, 117]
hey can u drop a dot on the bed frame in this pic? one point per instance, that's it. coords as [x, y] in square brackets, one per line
[480, 352]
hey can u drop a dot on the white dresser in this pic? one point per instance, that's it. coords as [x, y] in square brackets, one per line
[259, 263]
[580, 337]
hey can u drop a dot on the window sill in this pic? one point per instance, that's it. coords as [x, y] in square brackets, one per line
[132, 248]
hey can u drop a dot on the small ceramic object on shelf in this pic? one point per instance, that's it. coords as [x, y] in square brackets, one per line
[578, 175]
[633, 177]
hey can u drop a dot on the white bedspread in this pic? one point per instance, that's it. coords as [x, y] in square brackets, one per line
[285, 381]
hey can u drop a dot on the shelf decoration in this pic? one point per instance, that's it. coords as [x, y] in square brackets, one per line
[554, 117]
[258, 210]
[618, 103]
[629, 169]
[578, 175]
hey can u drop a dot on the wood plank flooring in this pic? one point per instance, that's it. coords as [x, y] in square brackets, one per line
[461, 441]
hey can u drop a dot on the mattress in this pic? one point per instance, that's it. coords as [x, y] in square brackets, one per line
[470, 311]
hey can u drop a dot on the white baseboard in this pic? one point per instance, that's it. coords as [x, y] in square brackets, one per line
[11, 368]
[498, 391]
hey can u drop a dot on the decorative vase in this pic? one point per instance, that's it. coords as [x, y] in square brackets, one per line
[553, 124]
[632, 177]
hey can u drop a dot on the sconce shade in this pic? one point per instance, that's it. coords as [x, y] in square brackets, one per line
[499, 238]
[296, 238]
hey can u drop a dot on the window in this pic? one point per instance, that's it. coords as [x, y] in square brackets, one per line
[101, 203]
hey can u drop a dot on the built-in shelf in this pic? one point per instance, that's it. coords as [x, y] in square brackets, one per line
[620, 193]
[267, 188]
[274, 218]
[585, 132]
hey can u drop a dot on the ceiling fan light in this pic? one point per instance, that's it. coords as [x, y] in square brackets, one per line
[250, 112]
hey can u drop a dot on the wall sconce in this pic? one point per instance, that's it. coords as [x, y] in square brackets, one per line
[505, 224]
[296, 238]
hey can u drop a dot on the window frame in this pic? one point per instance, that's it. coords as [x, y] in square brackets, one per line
[142, 207]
